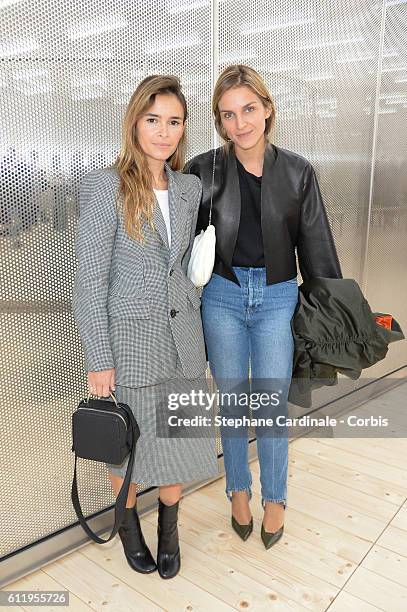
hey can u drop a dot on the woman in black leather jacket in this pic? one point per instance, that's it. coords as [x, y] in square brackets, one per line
[266, 203]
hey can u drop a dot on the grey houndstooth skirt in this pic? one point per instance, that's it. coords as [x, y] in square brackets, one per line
[162, 459]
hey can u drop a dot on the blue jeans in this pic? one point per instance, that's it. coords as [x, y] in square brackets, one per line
[250, 326]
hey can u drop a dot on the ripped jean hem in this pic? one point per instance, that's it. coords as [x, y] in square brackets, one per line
[230, 491]
[276, 501]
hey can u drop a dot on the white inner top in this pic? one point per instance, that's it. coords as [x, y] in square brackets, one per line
[162, 198]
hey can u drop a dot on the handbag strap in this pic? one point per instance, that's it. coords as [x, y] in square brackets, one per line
[213, 179]
[122, 496]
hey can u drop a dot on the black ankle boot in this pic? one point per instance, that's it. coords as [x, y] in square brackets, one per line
[136, 550]
[168, 553]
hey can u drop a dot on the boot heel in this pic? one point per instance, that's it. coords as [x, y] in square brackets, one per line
[136, 551]
[168, 552]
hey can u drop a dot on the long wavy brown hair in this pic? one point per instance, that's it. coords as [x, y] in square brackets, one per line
[136, 195]
[235, 76]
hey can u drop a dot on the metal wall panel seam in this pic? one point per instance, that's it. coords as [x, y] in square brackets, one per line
[363, 283]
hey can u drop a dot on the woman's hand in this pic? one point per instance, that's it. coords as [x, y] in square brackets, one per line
[101, 383]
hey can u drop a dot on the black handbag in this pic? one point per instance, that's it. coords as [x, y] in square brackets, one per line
[106, 431]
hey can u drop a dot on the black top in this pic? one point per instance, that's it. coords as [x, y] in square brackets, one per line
[249, 252]
[293, 215]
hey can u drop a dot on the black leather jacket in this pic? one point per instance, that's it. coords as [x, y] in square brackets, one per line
[292, 210]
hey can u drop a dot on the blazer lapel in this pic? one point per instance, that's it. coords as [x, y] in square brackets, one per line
[179, 209]
[160, 224]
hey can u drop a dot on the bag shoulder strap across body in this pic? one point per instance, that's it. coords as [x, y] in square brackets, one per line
[213, 180]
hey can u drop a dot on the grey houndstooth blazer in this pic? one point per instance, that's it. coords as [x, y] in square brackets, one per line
[133, 304]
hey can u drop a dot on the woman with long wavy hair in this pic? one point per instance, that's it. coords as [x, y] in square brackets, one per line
[138, 314]
[265, 204]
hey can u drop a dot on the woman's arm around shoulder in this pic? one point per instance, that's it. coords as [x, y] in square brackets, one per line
[94, 242]
[191, 167]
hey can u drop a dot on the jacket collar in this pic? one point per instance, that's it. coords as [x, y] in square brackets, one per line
[178, 208]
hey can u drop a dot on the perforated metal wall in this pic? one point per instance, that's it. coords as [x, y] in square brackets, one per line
[319, 60]
[338, 72]
[67, 72]
[385, 263]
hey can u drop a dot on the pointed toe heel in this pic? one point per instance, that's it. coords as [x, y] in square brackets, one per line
[242, 531]
[270, 538]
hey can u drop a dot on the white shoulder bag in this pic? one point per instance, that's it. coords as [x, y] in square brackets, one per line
[202, 259]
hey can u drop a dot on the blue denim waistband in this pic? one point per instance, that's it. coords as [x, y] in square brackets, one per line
[249, 271]
[246, 274]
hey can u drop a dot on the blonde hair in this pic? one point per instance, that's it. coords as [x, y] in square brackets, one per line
[136, 180]
[235, 76]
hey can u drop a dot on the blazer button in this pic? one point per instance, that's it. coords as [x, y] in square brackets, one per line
[173, 312]
[171, 271]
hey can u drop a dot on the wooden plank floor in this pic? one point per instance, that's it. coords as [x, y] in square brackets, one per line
[344, 547]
